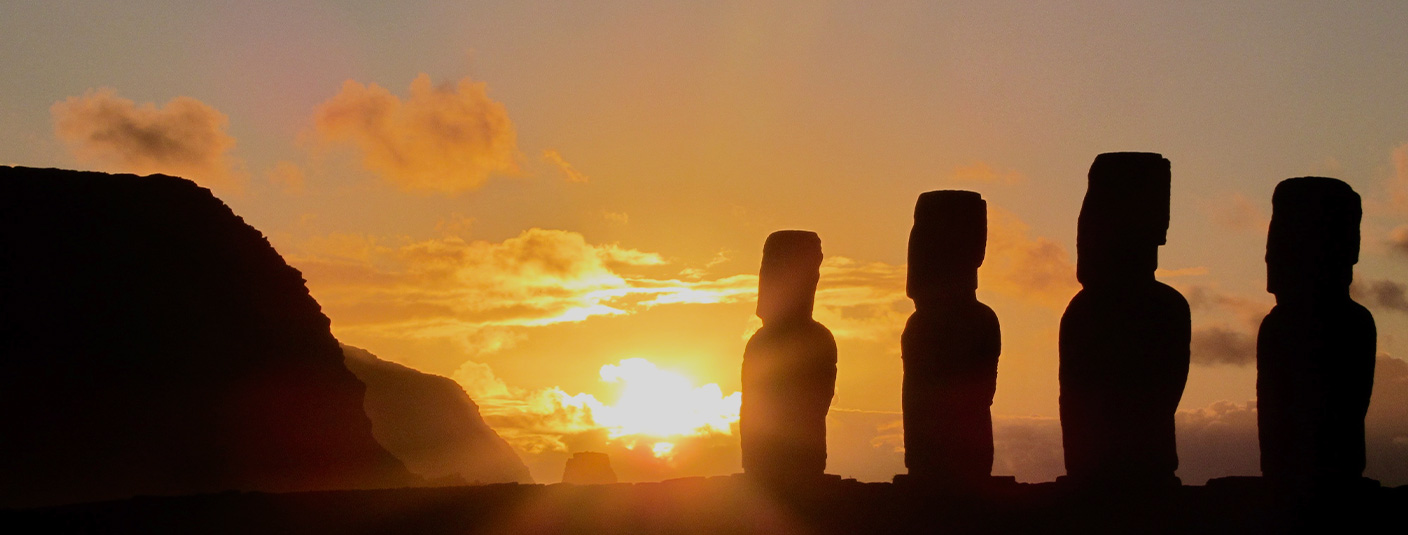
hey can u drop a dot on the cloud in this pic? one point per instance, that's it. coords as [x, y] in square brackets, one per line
[1216, 441]
[288, 177]
[862, 300]
[1382, 294]
[1238, 212]
[185, 137]
[982, 172]
[1398, 239]
[1207, 300]
[445, 139]
[660, 427]
[1225, 325]
[1025, 267]
[1221, 345]
[620, 218]
[449, 287]
[1398, 183]
[568, 172]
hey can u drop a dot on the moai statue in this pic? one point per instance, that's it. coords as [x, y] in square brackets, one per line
[950, 344]
[789, 366]
[1125, 336]
[1315, 352]
[589, 468]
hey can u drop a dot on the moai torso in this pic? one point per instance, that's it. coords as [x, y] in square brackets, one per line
[1125, 336]
[1316, 349]
[789, 366]
[950, 344]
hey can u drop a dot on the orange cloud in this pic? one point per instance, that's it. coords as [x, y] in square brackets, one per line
[1239, 213]
[1025, 267]
[444, 139]
[288, 177]
[1398, 183]
[862, 301]
[568, 172]
[454, 288]
[185, 137]
[661, 426]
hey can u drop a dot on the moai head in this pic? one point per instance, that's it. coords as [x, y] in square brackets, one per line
[947, 244]
[1124, 218]
[787, 280]
[1313, 242]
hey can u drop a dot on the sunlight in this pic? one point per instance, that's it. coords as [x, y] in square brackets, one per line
[661, 449]
[658, 404]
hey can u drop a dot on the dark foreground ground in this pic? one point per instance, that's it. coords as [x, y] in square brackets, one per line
[733, 505]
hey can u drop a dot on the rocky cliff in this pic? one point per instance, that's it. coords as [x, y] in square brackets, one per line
[432, 425]
[151, 342]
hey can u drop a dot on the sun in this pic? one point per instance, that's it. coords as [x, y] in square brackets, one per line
[657, 406]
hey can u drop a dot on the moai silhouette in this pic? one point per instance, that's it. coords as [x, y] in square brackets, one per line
[1125, 336]
[789, 366]
[1315, 352]
[950, 344]
[589, 468]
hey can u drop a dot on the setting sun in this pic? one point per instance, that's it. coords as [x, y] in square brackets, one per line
[659, 404]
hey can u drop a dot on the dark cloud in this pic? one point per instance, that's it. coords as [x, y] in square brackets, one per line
[185, 137]
[1217, 441]
[1383, 294]
[1221, 345]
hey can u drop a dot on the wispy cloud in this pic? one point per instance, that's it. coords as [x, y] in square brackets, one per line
[571, 174]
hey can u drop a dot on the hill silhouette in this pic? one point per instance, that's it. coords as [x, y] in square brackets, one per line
[152, 342]
[432, 425]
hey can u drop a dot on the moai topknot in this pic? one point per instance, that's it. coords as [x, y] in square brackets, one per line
[1125, 336]
[950, 344]
[789, 366]
[1315, 352]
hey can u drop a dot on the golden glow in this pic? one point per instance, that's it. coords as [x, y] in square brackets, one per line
[661, 404]
[661, 449]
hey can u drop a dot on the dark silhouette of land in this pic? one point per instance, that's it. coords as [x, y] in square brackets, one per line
[430, 423]
[1125, 336]
[154, 343]
[588, 468]
[950, 345]
[1317, 347]
[789, 366]
[723, 505]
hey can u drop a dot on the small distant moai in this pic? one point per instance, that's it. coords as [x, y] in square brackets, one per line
[1315, 351]
[951, 343]
[589, 468]
[1125, 336]
[789, 366]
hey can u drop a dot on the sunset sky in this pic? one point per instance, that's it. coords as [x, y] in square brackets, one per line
[524, 196]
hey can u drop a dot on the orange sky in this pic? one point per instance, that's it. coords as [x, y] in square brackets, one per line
[518, 195]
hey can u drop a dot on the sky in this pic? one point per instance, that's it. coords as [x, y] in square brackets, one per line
[563, 205]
